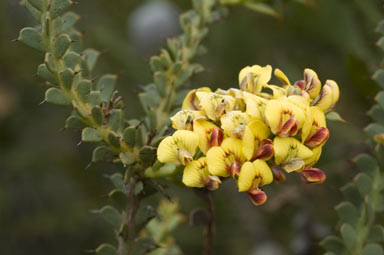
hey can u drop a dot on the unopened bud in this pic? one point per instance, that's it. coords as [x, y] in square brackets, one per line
[257, 196]
[278, 174]
[312, 175]
[213, 183]
[318, 138]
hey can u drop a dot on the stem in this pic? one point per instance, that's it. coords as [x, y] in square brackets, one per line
[210, 228]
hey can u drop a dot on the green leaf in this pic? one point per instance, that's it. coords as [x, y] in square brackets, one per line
[106, 84]
[90, 135]
[160, 82]
[97, 115]
[50, 62]
[129, 136]
[61, 45]
[165, 171]
[72, 59]
[103, 154]
[149, 98]
[378, 76]
[69, 19]
[334, 116]
[114, 140]
[118, 197]
[94, 98]
[349, 236]
[156, 64]
[67, 77]
[380, 99]
[347, 213]
[31, 37]
[55, 96]
[91, 56]
[374, 129]
[376, 234]
[127, 158]
[377, 114]
[143, 245]
[116, 120]
[352, 194]
[144, 215]
[38, 4]
[36, 14]
[83, 89]
[139, 188]
[261, 8]
[112, 216]
[363, 183]
[373, 249]
[76, 44]
[117, 180]
[379, 153]
[106, 249]
[45, 74]
[74, 122]
[380, 43]
[59, 7]
[147, 155]
[333, 244]
[366, 163]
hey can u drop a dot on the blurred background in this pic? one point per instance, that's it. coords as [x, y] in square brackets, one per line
[45, 191]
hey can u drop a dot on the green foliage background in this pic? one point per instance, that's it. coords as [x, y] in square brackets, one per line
[46, 193]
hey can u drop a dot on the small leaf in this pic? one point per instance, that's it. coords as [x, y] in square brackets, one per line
[127, 158]
[50, 62]
[378, 76]
[83, 89]
[67, 78]
[147, 155]
[138, 188]
[349, 236]
[103, 154]
[61, 45]
[374, 129]
[363, 183]
[38, 4]
[69, 20]
[160, 82]
[156, 64]
[118, 197]
[31, 37]
[380, 99]
[352, 194]
[143, 245]
[90, 135]
[144, 215]
[106, 249]
[373, 249]
[97, 115]
[116, 120]
[333, 244]
[366, 163]
[55, 96]
[72, 59]
[129, 136]
[117, 180]
[106, 84]
[76, 44]
[36, 14]
[165, 171]
[74, 122]
[45, 74]
[262, 8]
[94, 98]
[377, 114]
[91, 56]
[112, 216]
[334, 116]
[59, 7]
[347, 213]
[376, 234]
[114, 140]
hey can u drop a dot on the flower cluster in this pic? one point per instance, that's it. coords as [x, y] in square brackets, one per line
[253, 134]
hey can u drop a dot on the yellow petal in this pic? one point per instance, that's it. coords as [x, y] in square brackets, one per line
[246, 177]
[191, 102]
[214, 105]
[273, 115]
[300, 101]
[335, 90]
[167, 151]
[315, 119]
[196, 173]
[313, 84]
[252, 79]
[277, 91]
[255, 105]
[263, 172]
[234, 122]
[281, 76]
[233, 146]
[216, 162]
[288, 149]
[186, 140]
[315, 157]
[325, 98]
[203, 129]
[183, 120]
[255, 132]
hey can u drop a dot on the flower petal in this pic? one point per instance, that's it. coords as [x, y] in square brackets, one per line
[247, 176]
[191, 102]
[313, 84]
[209, 134]
[183, 120]
[216, 162]
[263, 172]
[233, 123]
[214, 105]
[281, 76]
[196, 173]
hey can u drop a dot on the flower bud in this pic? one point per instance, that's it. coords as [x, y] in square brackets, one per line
[278, 174]
[312, 175]
[257, 196]
[318, 138]
[300, 84]
[213, 183]
[289, 128]
[312, 83]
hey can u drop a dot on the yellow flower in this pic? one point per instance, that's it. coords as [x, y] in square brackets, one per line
[281, 76]
[178, 148]
[329, 95]
[316, 153]
[290, 154]
[254, 175]
[255, 143]
[253, 78]
[191, 102]
[312, 176]
[255, 105]
[227, 159]
[183, 120]
[209, 134]
[214, 105]
[196, 175]
[312, 83]
[284, 118]
[233, 123]
[314, 132]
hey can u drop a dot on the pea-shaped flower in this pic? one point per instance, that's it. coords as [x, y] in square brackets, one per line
[191, 101]
[178, 148]
[209, 134]
[183, 120]
[253, 78]
[255, 144]
[329, 95]
[215, 105]
[233, 123]
[196, 175]
[314, 132]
